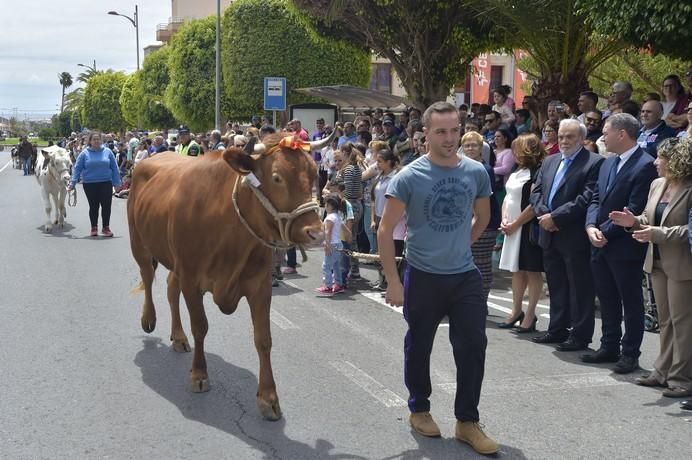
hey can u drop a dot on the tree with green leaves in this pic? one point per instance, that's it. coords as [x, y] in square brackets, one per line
[132, 100]
[62, 123]
[155, 79]
[191, 92]
[73, 100]
[563, 48]
[65, 82]
[101, 105]
[662, 25]
[87, 74]
[644, 70]
[430, 44]
[264, 38]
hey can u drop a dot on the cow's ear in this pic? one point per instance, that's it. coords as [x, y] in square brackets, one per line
[239, 160]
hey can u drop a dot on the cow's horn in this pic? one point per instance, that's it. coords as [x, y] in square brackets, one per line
[320, 144]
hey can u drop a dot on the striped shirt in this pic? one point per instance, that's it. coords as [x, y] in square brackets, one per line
[353, 181]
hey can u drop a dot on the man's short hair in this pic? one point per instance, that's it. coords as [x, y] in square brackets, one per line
[630, 107]
[464, 107]
[438, 107]
[266, 130]
[216, 135]
[657, 104]
[596, 111]
[525, 114]
[623, 86]
[574, 122]
[591, 95]
[625, 122]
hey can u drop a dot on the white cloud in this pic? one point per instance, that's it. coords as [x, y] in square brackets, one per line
[62, 34]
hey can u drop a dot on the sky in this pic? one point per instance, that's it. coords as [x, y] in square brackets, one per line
[41, 38]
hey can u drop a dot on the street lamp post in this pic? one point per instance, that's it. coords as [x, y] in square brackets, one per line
[135, 23]
[217, 101]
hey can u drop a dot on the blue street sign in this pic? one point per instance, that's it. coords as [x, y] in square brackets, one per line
[274, 93]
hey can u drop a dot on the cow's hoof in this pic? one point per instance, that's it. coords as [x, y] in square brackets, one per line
[270, 411]
[199, 385]
[55, 222]
[181, 346]
[48, 229]
[148, 325]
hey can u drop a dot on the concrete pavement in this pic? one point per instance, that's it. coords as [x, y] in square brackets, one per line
[81, 380]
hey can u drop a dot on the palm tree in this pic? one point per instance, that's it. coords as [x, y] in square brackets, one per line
[562, 46]
[73, 99]
[65, 81]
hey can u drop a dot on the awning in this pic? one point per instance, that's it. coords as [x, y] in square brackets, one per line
[346, 96]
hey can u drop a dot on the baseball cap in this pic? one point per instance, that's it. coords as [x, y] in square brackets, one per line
[388, 121]
[183, 130]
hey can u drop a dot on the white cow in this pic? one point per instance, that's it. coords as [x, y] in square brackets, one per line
[53, 170]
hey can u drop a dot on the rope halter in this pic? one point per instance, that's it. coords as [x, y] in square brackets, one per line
[284, 220]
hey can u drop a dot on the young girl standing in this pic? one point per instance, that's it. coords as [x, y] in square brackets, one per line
[331, 267]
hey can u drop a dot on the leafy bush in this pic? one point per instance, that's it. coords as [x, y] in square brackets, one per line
[266, 38]
[101, 105]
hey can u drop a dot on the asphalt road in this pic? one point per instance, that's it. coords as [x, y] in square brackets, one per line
[80, 379]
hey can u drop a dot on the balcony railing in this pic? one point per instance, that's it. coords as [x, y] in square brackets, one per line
[165, 31]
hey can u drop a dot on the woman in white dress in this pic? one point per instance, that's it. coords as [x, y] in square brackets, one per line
[521, 254]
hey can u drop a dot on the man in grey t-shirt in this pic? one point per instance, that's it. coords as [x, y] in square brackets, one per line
[447, 204]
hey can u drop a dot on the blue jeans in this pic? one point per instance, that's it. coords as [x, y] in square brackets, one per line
[367, 221]
[26, 165]
[332, 265]
[345, 264]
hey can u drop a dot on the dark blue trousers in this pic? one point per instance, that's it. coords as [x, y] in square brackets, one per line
[428, 298]
[619, 288]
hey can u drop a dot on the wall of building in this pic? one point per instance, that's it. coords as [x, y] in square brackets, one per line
[195, 9]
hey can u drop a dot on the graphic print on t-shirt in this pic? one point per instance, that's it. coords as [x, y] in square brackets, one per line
[446, 207]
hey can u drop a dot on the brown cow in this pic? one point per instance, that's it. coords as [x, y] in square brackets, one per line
[205, 221]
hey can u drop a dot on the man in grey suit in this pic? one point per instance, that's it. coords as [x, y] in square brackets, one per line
[564, 188]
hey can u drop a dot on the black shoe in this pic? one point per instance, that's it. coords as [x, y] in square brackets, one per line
[626, 364]
[571, 345]
[687, 405]
[524, 330]
[550, 338]
[277, 273]
[600, 356]
[510, 324]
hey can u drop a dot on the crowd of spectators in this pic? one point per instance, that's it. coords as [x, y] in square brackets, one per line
[549, 215]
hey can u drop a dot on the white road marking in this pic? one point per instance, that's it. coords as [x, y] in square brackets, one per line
[507, 299]
[551, 382]
[281, 321]
[499, 307]
[369, 384]
[6, 165]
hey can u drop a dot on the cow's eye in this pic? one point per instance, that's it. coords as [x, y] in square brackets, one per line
[277, 179]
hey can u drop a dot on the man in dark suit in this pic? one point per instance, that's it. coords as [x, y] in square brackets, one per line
[560, 198]
[617, 259]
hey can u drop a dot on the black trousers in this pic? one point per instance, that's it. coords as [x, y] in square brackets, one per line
[427, 299]
[572, 293]
[99, 195]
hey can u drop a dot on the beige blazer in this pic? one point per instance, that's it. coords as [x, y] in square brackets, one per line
[671, 234]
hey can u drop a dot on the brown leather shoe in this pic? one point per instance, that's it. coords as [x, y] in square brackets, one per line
[649, 381]
[472, 434]
[676, 392]
[423, 423]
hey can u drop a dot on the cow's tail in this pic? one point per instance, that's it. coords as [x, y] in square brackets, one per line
[140, 287]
